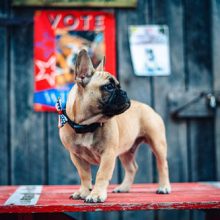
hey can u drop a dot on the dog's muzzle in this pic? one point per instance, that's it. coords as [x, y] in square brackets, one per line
[117, 103]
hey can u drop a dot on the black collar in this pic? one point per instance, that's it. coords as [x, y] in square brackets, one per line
[81, 129]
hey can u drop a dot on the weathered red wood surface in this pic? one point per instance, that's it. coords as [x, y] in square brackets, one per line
[141, 197]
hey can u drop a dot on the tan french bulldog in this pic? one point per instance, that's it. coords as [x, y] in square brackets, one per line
[104, 124]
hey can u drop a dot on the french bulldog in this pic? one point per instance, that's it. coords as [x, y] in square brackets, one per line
[103, 124]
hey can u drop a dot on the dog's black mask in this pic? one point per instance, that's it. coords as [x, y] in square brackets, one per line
[117, 101]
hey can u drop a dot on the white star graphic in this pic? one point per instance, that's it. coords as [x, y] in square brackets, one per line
[43, 74]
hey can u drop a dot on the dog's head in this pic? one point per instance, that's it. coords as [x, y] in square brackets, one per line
[100, 92]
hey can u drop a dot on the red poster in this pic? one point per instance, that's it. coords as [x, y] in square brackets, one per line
[58, 37]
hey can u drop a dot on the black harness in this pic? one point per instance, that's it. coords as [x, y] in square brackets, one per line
[81, 129]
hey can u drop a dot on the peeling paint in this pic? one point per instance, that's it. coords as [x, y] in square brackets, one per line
[142, 197]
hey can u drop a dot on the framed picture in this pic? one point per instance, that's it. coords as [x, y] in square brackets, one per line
[149, 46]
[58, 37]
[78, 3]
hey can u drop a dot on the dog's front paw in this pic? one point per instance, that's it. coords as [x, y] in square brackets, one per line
[96, 197]
[164, 190]
[80, 194]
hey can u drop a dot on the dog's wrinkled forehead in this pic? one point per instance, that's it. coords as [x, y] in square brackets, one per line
[103, 77]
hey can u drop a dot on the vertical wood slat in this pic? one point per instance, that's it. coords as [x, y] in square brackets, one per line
[4, 8]
[27, 127]
[198, 66]
[138, 88]
[216, 76]
[171, 13]
[4, 93]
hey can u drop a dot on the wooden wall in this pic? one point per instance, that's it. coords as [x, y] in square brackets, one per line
[30, 149]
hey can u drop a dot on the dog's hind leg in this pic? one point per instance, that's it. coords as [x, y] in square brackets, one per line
[159, 148]
[130, 166]
[128, 161]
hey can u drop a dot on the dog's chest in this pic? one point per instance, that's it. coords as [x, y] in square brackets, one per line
[84, 148]
[84, 140]
[83, 145]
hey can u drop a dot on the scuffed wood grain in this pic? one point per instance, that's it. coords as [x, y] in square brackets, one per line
[216, 81]
[142, 197]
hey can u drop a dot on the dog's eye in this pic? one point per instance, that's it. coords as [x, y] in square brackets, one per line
[110, 87]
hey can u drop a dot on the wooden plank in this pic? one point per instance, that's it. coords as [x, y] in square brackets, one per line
[70, 3]
[4, 93]
[171, 13]
[202, 143]
[198, 72]
[27, 127]
[176, 83]
[216, 78]
[142, 197]
[4, 8]
[202, 151]
[198, 49]
[138, 88]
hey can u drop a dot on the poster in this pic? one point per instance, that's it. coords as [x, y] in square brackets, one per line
[79, 3]
[58, 37]
[149, 46]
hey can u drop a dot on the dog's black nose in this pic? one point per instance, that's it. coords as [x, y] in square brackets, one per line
[122, 97]
[123, 93]
[125, 96]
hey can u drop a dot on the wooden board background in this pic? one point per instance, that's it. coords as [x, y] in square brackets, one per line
[78, 3]
[30, 149]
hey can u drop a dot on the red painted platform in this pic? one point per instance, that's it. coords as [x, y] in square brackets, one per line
[141, 197]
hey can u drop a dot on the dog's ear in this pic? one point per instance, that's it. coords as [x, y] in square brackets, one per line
[101, 65]
[83, 68]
